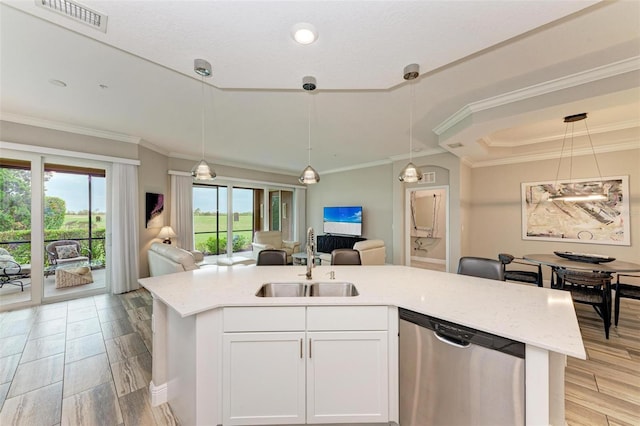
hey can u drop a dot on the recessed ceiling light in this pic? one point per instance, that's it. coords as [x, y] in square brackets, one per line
[304, 33]
[58, 83]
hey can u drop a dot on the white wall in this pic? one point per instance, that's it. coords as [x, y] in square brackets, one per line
[495, 223]
[370, 188]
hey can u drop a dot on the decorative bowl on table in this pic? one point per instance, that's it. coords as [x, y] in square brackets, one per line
[584, 257]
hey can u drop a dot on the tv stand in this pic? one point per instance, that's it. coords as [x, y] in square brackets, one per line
[327, 243]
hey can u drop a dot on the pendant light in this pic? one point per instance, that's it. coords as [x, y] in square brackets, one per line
[309, 175]
[411, 173]
[573, 193]
[202, 170]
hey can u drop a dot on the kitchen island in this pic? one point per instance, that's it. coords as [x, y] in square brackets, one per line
[199, 316]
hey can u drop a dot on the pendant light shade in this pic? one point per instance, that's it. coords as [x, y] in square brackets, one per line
[309, 176]
[202, 171]
[411, 174]
[575, 192]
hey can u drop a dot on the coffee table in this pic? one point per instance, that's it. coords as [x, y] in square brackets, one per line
[300, 258]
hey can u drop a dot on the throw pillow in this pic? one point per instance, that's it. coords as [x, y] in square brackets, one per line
[6, 261]
[67, 252]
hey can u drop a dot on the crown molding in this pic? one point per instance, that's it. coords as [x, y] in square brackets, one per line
[583, 77]
[222, 162]
[65, 127]
[146, 144]
[620, 146]
[622, 125]
[356, 167]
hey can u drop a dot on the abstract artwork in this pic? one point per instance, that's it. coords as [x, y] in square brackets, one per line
[594, 222]
[153, 209]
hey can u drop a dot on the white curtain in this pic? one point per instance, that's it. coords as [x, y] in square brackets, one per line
[182, 210]
[124, 242]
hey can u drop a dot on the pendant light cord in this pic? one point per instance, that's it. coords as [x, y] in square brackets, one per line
[411, 96]
[593, 151]
[309, 126]
[202, 121]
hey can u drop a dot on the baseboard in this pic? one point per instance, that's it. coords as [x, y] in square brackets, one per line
[428, 260]
[157, 394]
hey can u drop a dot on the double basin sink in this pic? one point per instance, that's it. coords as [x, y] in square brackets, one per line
[298, 289]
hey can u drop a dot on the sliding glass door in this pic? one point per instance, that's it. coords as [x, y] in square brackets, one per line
[75, 225]
[211, 216]
[15, 231]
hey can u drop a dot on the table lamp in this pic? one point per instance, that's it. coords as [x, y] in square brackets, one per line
[166, 233]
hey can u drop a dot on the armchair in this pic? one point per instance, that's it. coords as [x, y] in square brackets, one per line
[273, 240]
[65, 251]
[11, 271]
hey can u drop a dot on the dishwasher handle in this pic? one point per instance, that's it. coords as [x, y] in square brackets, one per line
[451, 341]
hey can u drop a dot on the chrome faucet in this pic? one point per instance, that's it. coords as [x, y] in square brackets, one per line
[310, 250]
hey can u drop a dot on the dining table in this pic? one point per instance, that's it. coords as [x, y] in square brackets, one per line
[554, 261]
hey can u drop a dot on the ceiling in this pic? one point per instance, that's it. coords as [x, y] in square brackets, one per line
[496, 78]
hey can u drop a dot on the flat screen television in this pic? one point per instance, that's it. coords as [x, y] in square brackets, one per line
[343, 220]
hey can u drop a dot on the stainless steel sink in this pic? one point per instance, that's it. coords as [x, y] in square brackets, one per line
[282, 290]
[338, 289]
[299, 289]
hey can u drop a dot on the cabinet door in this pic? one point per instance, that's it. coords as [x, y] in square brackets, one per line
[347, 377]
[263, 378]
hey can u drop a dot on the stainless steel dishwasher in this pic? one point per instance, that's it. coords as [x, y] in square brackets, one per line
[451, 375]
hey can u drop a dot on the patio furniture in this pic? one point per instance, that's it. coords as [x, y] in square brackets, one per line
[69, 276]
[11, 272]
[65, 252]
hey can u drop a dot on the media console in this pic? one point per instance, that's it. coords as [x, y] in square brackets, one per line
[328, 243]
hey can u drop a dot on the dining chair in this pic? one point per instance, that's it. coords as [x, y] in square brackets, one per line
[481, 267]
[591, 288]
[629, 291]
[345, 256]
[272, 257]
[520, 275]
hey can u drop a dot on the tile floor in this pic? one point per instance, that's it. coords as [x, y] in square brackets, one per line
[81, 362]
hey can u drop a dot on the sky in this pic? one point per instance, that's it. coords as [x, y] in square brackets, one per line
[75, 191]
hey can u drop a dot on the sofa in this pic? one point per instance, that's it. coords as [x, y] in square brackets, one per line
[273, 240]
[372, 252]
[167, 259]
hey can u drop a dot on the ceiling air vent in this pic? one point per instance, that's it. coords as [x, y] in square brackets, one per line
[77, 12]
[429, 177]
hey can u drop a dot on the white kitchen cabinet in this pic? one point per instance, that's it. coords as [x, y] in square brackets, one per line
[344, 352]
[263, 378]
[347, 377]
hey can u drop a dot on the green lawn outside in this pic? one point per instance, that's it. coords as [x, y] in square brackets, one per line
[207, 224]
[72, 221]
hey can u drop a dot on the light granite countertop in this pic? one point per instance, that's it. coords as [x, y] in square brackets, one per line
[536, 316]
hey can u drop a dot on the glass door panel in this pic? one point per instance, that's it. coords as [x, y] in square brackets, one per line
[209, 226]
[274, 208]
[15, 231]
[242, 221]
[74, 231]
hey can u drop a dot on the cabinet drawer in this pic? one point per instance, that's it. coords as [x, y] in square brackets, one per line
[328, 318]
[287, 318]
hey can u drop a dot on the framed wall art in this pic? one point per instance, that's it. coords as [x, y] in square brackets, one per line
[154, 205]
[594, 222]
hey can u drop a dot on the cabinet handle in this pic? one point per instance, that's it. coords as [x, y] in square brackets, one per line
[309, 348]
[301, 349]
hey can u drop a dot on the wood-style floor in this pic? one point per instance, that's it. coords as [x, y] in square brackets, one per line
[88, 362]
[82, 362]
[605, 389]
